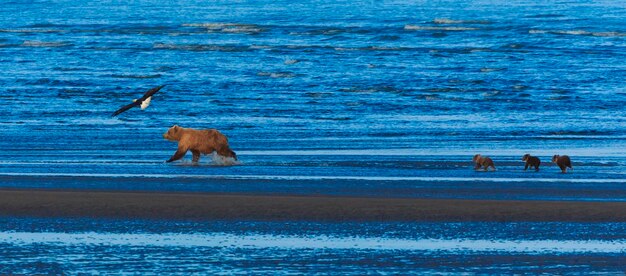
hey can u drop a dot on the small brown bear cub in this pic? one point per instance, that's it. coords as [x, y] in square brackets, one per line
[531, 161]
[483, 161]
[562, 161]
[204, 141]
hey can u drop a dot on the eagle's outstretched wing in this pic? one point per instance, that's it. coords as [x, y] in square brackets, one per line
[126, 107]
[150, 93]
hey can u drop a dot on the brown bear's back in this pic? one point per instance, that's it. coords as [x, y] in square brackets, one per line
[564, 161]
[205, 140]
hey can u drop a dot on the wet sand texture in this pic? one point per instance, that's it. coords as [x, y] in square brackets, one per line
[203, 206]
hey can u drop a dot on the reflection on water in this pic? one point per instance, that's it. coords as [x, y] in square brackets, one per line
[312, 242]
[351, 98]
[88, 246]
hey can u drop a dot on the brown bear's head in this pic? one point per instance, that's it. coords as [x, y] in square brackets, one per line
[476, 158]
[555, 158]
[525, 157]
[174, 133]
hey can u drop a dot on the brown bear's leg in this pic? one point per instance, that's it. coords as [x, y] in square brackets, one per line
[180, 153]
[226, 152]
[196, 156]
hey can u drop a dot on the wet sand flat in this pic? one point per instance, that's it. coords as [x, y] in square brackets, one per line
[209, 206]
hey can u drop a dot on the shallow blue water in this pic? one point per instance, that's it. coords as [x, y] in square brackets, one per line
[326, 88]
[355, 98]
[60, 246]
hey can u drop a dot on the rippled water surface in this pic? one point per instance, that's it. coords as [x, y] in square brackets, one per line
[331, 89]
[356, 98]
[73, 246]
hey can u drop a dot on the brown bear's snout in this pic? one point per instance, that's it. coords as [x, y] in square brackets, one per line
[167, 136]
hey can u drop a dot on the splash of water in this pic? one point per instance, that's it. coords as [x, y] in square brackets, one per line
[219, 160]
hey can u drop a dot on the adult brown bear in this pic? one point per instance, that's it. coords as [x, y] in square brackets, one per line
[204, 141]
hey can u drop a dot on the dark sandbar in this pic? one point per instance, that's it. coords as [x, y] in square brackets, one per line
[207, 206]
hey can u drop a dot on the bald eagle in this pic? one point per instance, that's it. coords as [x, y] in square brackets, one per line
[142, 102]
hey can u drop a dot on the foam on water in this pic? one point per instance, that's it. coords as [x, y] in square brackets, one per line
[578, 32]
[33, 43]
[30, 30]
[451, 21]
[223, 161]
[291, 61]
[315, 242]
[438, 28]
[439, 152]
[330, 177]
